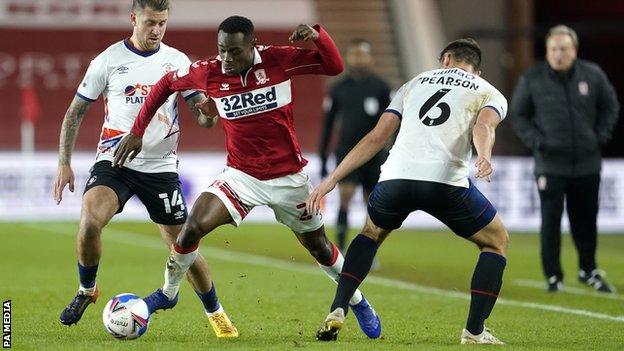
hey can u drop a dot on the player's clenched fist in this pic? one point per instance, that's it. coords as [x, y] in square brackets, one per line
[303, 32]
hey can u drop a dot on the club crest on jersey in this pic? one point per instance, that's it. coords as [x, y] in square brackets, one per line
[168, 67]
[261, 77]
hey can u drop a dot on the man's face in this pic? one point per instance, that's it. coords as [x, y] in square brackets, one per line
[359, 56]
[560, 52]
[236, 52]
[149, 27]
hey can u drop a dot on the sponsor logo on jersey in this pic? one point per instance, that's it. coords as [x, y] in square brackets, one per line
[254, 102]
[122, 69]
[224, 86]
[136, 94]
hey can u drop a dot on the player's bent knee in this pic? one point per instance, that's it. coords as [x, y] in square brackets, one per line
[90, 227]
[190, 235]
[374, 232]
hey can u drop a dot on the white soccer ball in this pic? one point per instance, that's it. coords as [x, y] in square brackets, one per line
[126, 316]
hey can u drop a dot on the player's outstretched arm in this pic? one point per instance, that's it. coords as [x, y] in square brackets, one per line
[204, 109]
[69, 133]
[131, 144]
[483, 136]
[325, 59]
[368, 147]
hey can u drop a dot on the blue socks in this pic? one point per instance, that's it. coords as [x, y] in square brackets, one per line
[87, 275]
[209, 299]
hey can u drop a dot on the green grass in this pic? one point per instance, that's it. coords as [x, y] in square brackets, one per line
[278, 303]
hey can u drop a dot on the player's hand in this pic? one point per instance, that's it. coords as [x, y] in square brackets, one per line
[64, 177]
[484, 168]
[303, 32]
[208, 107]
[313, 202]
[128, 148]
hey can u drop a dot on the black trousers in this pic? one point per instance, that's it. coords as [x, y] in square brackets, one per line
[581, 197]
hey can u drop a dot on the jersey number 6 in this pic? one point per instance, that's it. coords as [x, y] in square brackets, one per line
[443, 106]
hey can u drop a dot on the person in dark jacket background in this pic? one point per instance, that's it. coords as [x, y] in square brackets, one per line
[358, 101]
[565, 110]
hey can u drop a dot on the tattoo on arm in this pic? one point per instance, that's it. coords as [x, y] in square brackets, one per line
[69, 129]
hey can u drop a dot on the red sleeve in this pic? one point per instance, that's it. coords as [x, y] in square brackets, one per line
[325, 59]
[192, 78]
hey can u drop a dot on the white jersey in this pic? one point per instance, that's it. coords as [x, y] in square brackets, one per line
[124, 76]
[438, 110]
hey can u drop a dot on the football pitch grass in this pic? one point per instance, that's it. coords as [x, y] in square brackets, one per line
[277, 297]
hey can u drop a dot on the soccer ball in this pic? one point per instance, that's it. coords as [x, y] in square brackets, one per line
[126, 316]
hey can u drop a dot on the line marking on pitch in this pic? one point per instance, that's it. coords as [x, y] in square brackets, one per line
[567, 289]
[128, 238]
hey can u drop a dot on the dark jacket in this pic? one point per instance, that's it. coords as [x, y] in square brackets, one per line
[358, 103]
[565, 119]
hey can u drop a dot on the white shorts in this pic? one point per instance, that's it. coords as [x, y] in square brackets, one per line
[286, 196]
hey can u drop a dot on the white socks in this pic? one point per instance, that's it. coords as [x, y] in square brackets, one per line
[333, 272]
[177, 266]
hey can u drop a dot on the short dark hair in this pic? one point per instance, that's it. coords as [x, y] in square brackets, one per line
[464, 50]
[156, 5]
[237, 24]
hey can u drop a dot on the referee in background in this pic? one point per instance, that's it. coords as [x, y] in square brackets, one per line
[358, 101]
[565, 110]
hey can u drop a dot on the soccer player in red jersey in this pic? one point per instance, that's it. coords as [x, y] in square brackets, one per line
[249, 85]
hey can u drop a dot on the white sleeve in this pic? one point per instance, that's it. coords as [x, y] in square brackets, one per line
[185, 62]
[95, 80]
[497, 102]
[396, 105]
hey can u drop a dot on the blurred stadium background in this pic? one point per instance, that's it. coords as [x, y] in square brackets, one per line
[47, 45]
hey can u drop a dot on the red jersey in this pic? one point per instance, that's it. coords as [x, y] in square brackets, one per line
[256, 106]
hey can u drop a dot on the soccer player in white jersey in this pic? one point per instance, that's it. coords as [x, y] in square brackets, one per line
[440, 114]
[124, 74]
